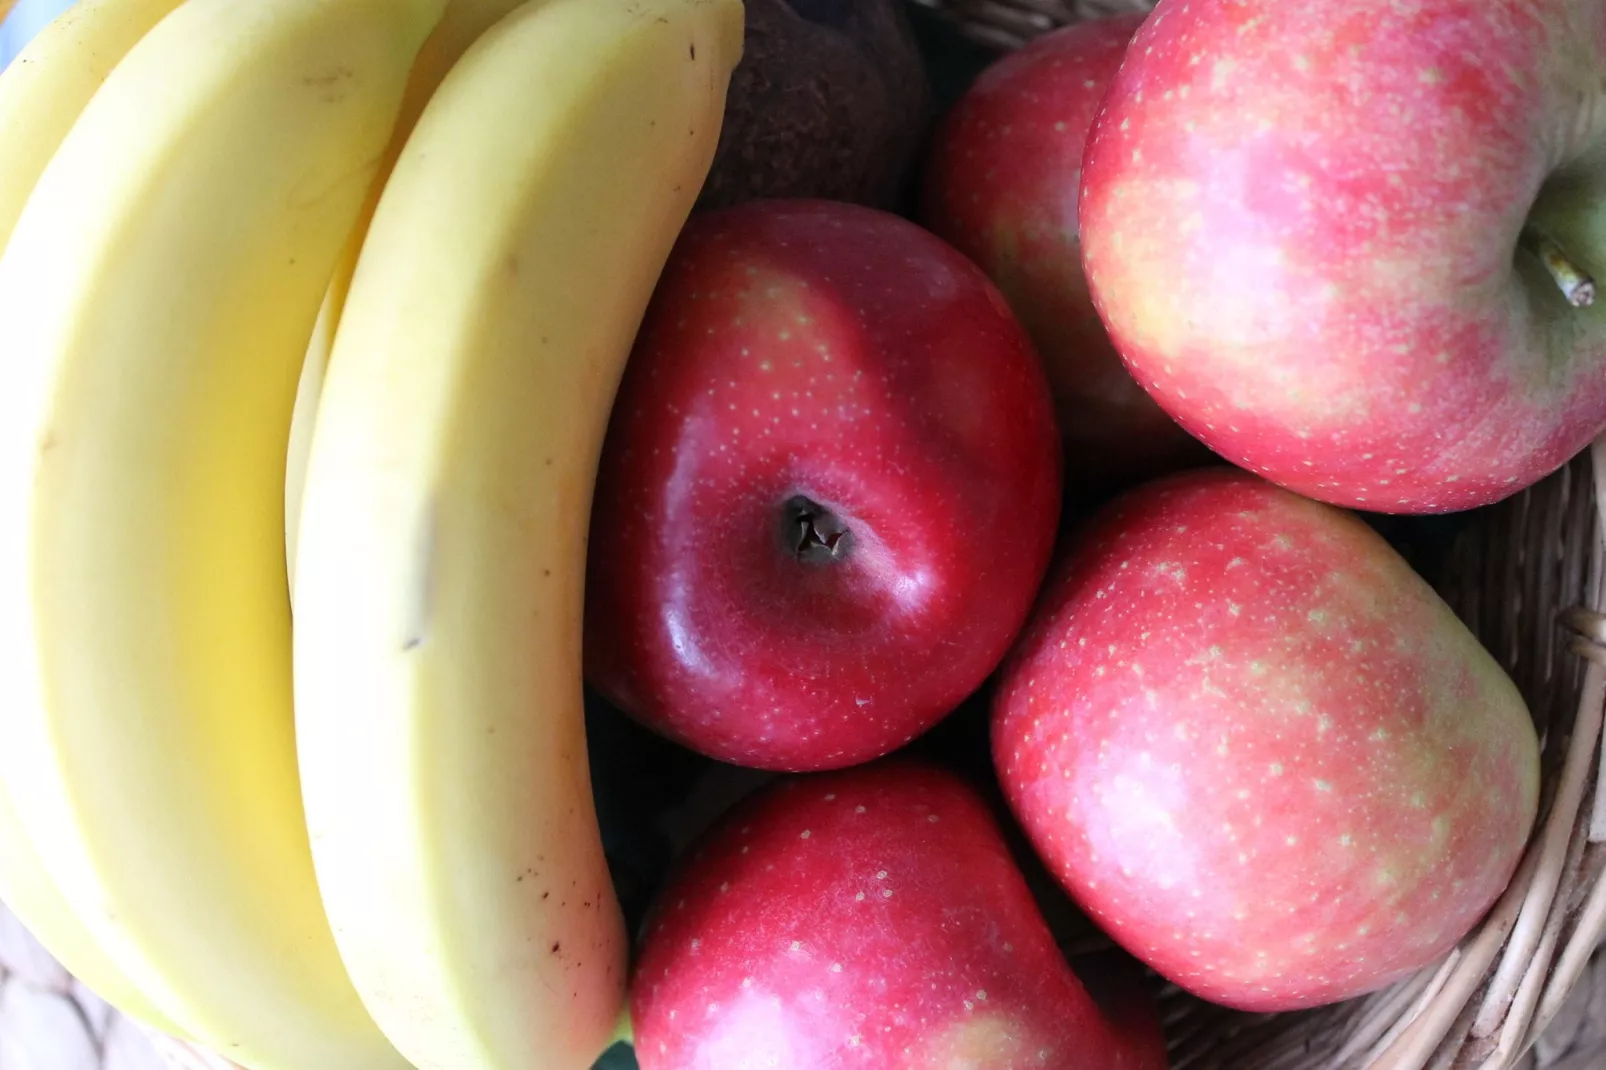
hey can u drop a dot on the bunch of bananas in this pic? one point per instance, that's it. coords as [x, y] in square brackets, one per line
[405, 244]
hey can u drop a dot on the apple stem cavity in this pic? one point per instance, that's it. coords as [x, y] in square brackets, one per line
[814, 533]
[1576, 284]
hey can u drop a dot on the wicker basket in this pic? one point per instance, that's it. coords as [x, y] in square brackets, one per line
[1526, 989]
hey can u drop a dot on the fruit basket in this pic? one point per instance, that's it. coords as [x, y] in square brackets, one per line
[1525, 989]
[1521, 574]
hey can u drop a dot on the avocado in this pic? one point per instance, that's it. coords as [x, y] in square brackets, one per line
[831, 100]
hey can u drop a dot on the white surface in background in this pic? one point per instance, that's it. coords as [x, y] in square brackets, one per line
[24, 21]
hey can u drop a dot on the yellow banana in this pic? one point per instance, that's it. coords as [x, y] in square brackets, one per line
[157, 293]
[27, 889]
[460, 27]
[305, 411]
[50, 81]
[42, 93]
[439, 582]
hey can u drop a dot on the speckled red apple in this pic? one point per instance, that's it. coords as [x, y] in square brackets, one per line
[1316, 233]
[866, 918]
[1258, 749]
[829, 491]
[1001, 186]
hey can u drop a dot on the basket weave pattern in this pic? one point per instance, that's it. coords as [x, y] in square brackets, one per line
[1527, 989]
[1012, 23]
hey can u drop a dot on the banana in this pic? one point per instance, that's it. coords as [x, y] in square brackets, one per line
[460, 27]
[158, 292]
[50, 81]
[304, 413]
[42, 93]
[442, 558]
[27, 889]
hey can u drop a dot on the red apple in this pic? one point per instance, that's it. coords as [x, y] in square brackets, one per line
[1317, 233]
[829, 492]
[1001, 186]
[1258, 749]
[866, 918]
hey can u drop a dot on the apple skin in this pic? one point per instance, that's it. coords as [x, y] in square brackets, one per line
[821, 351]
[868, 917]
[1000, 185]
[1301, 226]
[1258, 749]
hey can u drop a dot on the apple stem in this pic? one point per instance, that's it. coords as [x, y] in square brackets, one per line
[1576, 284]
[815, 533]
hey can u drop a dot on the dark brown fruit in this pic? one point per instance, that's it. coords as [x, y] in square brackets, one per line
[831, 100]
